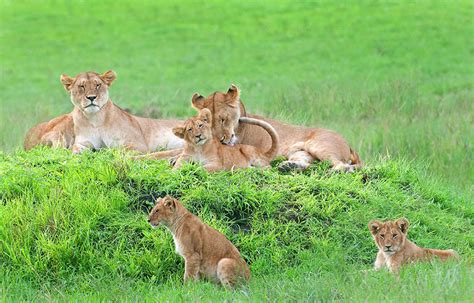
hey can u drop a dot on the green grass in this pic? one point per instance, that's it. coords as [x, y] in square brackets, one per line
[74, 225]
[395, 78]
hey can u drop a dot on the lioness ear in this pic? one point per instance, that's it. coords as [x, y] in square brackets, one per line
[108, 77]
[67, 81]
[179, 132]
[197, 101]
[374, 226]
[234, 94]
[403, 224]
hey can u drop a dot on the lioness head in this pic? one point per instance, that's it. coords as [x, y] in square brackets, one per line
[196, 130]
[163, 212]
[89, 91]
[225, 109]
[390, 235]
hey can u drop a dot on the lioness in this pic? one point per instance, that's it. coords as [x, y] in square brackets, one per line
[301, 145]
[395, 249]
[99, 123]
[201, 146]
[206, 252]
[58, 132]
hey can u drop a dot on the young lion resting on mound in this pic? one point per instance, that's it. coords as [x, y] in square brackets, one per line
[206, 252]
[395, 249]
[201, 146]
[99, 123]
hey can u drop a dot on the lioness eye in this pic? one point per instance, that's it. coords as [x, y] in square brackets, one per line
[81, 86]
[190, 129]
[382, 236]
[200, 125]
[394, 235]
[97, 86]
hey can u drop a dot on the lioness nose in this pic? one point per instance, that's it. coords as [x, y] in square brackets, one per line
[91, 98]
[388, 246]
[198, 136]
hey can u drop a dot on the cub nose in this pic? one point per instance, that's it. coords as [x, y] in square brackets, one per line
[91, 98]
[198, 136]
[388, 246]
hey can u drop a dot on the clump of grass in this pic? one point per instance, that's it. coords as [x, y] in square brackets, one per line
[65, 217]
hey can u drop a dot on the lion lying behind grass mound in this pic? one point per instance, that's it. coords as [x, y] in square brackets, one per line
[97, 123]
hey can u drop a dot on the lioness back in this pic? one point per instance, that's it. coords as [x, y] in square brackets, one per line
[58, 132]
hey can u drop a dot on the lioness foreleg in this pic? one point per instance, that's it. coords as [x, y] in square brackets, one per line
[78, 148]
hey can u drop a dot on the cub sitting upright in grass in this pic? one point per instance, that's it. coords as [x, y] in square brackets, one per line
[201, 146]
[206, 252]
[395, 249]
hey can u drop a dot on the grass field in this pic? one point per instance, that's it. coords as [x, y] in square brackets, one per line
[395, 78]
[74, 228]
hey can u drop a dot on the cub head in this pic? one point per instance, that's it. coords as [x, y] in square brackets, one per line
[163, 212]
[390, 235]
[225, 109]
[89, 91]
[196, 130]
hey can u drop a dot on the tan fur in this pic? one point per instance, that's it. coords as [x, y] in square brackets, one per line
[207, 253]
[201, 146]
[396, 250]
[301, 145]
[57, 133]
[98, 123]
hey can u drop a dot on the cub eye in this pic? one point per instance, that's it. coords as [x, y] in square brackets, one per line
[382, 236]
[190, 129]
[81, 86]
[97, 86]
[394, 235]
[222, 121]
[200, 125]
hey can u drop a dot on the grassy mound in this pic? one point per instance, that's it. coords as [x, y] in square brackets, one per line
[67, 219]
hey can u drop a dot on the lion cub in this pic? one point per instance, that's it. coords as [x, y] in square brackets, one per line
[201, 146]
[206, 252]
[395, 249]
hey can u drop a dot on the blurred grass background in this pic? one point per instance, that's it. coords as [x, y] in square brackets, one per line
[395, 78]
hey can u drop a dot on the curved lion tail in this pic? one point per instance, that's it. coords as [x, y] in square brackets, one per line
[271, 153]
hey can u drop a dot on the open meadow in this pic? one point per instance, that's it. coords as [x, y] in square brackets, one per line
[396, 79]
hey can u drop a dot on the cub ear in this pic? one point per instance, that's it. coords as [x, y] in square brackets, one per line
[179, 132]
[108, 77]
[403, 224]
[234, 94]
[374, 226]
[67, 81]
[205, 115]
[169, 202]
[197, 101]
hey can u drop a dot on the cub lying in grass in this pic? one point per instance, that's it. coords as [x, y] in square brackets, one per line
[206, 251]
[201, 146]
[395, 249]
